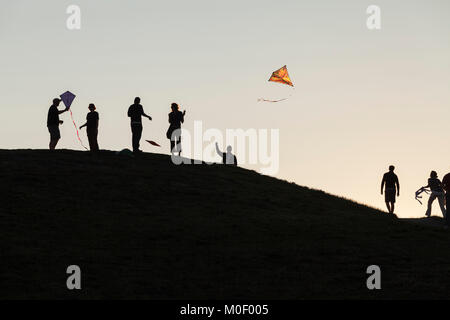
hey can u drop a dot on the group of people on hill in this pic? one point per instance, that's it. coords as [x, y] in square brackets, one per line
[438, 190]
[135, 113]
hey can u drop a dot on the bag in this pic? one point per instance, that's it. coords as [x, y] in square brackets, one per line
[169, 133]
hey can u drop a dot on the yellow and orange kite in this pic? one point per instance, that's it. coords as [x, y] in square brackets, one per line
[281, 76]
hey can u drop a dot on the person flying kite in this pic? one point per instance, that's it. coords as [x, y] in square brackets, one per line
[53, 123]
[281, 76]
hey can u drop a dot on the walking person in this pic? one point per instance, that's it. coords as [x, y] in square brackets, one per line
[391, 185]
[437, 191]
[176, 118]
[53, 123]
[92, 120]
[135, 113]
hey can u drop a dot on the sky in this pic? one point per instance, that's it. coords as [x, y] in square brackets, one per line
[363, 99]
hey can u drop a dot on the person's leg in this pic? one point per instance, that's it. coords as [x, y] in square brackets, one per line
[136, 130]
[55, 135]
[388, 206]
[442, 206]
[389, 198]
[447, 202]
[93, 143]
[138, 136]
[97, 148]
[172, 146]
[392, 207]
[53, 144]
[91, 140]
[133, 136]
[179, 145]
[430, 203]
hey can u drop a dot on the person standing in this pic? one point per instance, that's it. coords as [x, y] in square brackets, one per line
[92, 120]
[446, 187]
[437, 191]
[53, 123]
[176, 118]
[391, 186]
[135, 113]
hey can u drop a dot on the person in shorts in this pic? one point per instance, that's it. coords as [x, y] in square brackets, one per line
[391, 187]
[53, 123]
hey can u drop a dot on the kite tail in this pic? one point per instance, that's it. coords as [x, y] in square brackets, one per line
[267, 100]
[76, 128]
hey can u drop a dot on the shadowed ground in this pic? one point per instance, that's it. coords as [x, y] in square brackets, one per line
[145, 228]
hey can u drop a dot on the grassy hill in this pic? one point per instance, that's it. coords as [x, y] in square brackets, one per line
[144, 228]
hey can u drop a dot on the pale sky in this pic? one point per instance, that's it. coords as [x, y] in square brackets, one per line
[363, 99]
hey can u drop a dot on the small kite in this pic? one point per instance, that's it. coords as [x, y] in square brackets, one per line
[153, 143]
[281, 76]
[67, 98]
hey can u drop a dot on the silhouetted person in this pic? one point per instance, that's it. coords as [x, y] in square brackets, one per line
[91, 125]
[437, 191]
[391, 187]
[446, 187]
[228, 157]
[136, 112]
[176, 118]
[53, 123]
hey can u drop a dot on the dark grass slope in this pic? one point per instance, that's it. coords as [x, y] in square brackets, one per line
[145, 228]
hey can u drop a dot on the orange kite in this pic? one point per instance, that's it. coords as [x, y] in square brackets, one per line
[281, 76]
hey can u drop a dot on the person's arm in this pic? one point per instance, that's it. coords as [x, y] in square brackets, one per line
[145, 115]
[398, 186]
[84, 125]
[62, 111]
[220, 153]
[382, 184]
[149, 118]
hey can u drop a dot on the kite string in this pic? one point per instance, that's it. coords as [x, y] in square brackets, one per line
[76, 128]
[269, 100]
[266, 100]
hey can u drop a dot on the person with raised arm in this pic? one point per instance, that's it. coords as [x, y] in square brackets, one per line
[227, 157]
[53, 123]
[176, 118]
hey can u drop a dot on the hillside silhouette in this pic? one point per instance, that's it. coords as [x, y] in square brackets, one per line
[143, 228]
